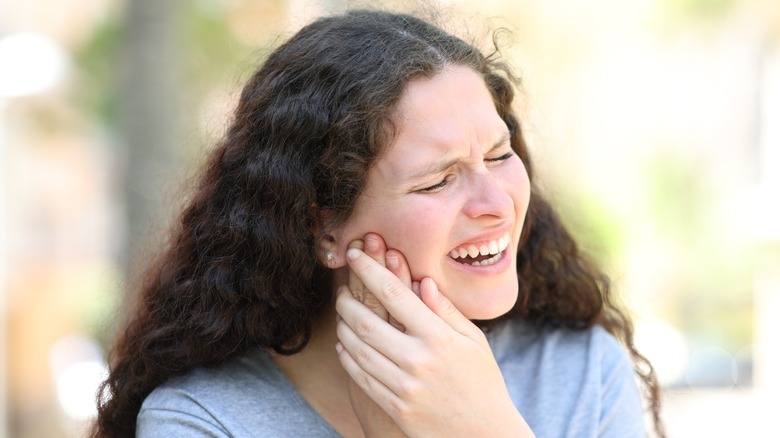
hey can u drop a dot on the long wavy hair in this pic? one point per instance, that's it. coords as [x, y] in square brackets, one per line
[240, 271]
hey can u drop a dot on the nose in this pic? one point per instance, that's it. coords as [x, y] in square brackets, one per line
[488, 197]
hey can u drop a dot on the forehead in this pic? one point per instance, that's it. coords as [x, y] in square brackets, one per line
[448, 113]
[456, 94]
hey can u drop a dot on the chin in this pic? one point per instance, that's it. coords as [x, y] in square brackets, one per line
[491, 306]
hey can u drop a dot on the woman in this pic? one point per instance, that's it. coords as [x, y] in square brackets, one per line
[367, 254]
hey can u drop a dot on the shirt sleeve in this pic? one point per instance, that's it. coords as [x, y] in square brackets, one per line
[621, 412]
[172, 414]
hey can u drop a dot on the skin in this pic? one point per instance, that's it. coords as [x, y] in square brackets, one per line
[401, 327]
[403, 382]
[449, 179]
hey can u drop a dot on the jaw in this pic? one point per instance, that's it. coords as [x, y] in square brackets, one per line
[483, 302]
[481, 292]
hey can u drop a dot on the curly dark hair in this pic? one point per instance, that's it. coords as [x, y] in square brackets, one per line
[308, 127]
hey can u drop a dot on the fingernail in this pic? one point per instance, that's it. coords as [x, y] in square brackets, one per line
[339, 347]
[372, 244]
[353, 253]
[432, 285]
[392, 261]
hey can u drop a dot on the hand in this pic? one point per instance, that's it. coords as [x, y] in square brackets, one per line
[373, 420]
[439, 377]
[374, 245]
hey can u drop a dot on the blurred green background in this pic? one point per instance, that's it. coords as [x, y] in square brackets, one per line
[654, 124]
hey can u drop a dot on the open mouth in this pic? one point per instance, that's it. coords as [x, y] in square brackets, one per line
[482, 254]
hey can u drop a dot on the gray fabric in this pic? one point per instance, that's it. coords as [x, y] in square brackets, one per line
[564, 383]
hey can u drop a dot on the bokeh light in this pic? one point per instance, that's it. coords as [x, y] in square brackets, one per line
[30, 63]
[77, 388]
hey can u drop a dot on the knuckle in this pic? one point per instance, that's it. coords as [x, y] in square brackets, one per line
[372, 302]
[358, 292]
[363, 382]
[392, 289]
[364, 328]
[403, 412]
[362, 356]
[419, 364]
[408, 389]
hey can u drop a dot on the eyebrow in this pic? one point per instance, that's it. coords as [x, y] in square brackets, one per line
[438, 167]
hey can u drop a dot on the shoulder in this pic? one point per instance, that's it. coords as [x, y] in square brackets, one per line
[238, 398]
[563, 380]
[557, 347]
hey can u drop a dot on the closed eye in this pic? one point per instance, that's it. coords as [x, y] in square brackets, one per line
[447, 180]
[504, 157]
[435, 187]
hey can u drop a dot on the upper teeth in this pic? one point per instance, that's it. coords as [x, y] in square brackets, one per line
[491, 247]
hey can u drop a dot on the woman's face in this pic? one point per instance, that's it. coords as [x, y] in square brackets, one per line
[449, 193]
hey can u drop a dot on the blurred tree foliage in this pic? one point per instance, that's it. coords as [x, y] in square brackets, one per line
[96, 73]
[206, 54]
[698, 9]
[210, 54]
[713, 301]
[595, 225]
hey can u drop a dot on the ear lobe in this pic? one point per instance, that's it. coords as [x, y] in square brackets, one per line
[327, 244]
[328, 252]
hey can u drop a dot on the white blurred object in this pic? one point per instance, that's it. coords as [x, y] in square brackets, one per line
[664, 346]
[30, 63]
[77, 369]
[77, 389]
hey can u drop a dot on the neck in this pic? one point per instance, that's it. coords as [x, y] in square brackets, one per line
[318, 357]
[319, 377]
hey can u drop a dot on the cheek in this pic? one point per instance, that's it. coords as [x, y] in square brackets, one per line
[419, 230]
[413, 229]
[518, 186]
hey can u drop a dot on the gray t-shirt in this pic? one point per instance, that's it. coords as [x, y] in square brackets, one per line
[565, 384]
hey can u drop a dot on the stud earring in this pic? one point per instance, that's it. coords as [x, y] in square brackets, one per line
[329, 256]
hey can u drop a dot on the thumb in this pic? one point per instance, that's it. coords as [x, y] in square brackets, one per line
[444, 309]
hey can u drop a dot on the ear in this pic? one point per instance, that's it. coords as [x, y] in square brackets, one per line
[328, 252]
[326, 241]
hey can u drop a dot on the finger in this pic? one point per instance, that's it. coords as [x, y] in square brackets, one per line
[356, 286]
[443, 307]
[376, 248]
[376, 390]
[397, 264]
[371, 329]
[368, 358]
[398, 299]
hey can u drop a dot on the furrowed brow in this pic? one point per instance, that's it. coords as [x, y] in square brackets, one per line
[438, 167]
[434, 168]
[501, 141]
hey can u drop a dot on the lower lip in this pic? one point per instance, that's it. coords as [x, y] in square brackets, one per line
[496, 268]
